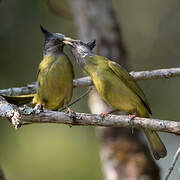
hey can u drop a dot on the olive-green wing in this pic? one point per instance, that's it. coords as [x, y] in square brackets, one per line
[72, 68]
[37, 74]
[38, 71]
[129, 81]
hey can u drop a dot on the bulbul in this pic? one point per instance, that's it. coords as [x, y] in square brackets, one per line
[117, 88]
[54, 78]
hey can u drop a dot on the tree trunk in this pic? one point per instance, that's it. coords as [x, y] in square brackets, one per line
[124, 155]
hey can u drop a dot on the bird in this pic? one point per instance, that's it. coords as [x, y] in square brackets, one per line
[54, 76]
[117, 88]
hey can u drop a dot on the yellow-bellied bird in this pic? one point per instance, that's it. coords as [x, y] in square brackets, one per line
[55, 76]
[117, 88]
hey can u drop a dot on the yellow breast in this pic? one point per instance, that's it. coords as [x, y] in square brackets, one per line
[55, 78]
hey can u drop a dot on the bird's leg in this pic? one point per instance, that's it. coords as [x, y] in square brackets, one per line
[131, 117]
[76, 100]
[39, 107]
[68, 110]
[71, 114]
[103, 114]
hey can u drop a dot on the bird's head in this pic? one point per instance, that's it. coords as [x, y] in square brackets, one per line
[54, 42]
[80, 49]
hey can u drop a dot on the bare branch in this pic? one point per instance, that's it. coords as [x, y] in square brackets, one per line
[175, 159]
[86, 81]
[82, 82]
[29, 89]
[84, 119]
[156, 74]
[27, 114]
[10, 111]
[141, 75]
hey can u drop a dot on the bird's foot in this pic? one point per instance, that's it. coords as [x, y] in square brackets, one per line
[39, 108]
[69, 111]
[131, 117]
[104, 114]
[71, 114]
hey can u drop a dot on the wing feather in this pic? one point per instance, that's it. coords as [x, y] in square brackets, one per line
[129, 81]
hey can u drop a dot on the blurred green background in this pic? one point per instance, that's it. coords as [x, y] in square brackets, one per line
[151, 31]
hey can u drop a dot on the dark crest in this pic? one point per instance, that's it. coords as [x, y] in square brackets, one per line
[53, 42]
[45, 32]
[92, 44]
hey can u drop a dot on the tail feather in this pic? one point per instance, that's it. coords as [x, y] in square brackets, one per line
[19, 100]
[157, 146]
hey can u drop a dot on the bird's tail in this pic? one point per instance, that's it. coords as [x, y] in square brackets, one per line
[19, 100]
[157, 146]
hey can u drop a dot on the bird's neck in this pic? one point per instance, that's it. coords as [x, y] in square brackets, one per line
[95, 63]
[52, 49]
[89, 64]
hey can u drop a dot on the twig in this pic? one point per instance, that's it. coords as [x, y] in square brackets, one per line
[156, 74]
[78, 99]
[175, 159]
[86, 81]
[29, 89]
